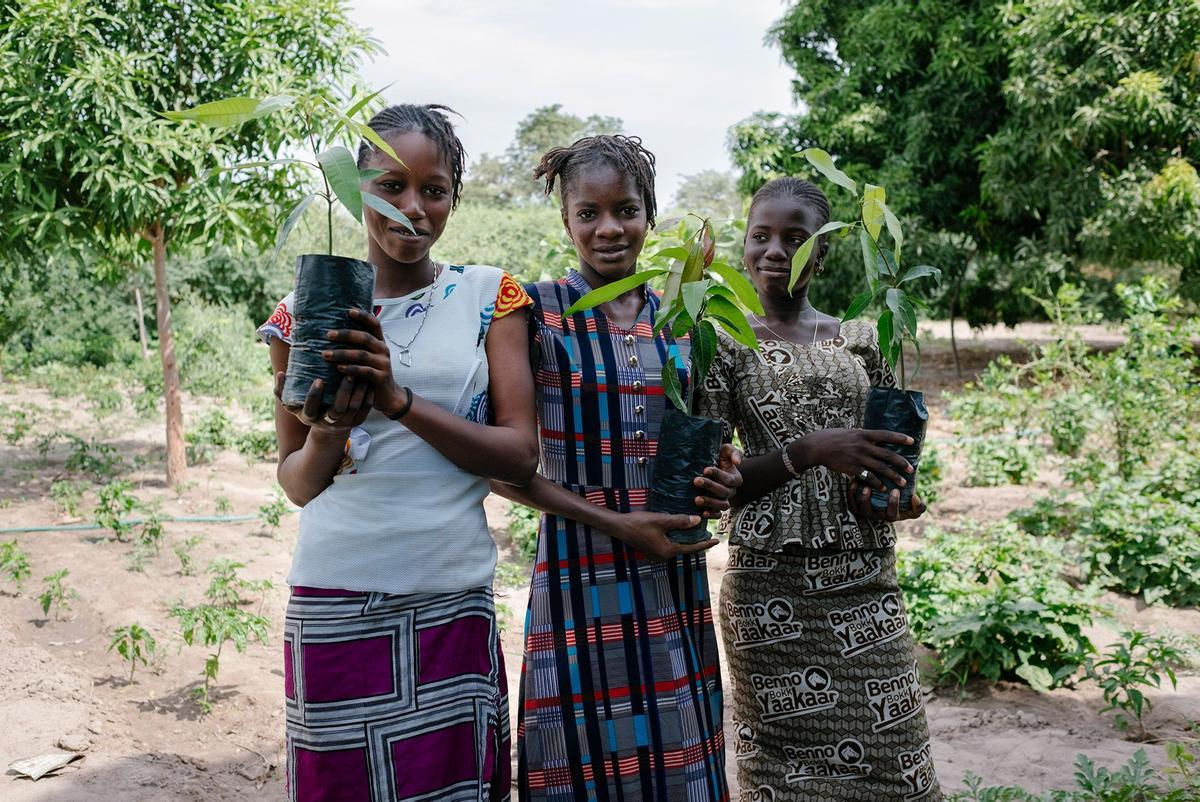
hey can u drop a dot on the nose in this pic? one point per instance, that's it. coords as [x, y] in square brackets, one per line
[609, 227]
[411, 203]
[775, 251]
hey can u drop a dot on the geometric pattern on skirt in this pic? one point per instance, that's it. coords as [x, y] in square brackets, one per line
[827, 699]
[620, 683]
[395, 697]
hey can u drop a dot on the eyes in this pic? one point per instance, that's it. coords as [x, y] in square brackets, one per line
[628, 212]
[761, 239]
[432, 191]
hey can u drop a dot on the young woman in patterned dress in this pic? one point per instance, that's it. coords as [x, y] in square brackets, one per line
[827, 701]
[620, 687]
[393, 676]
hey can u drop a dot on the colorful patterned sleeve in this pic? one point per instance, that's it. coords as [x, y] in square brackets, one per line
[279, 324]
[510, 297]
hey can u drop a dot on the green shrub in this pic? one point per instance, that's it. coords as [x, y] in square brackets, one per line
[994, 461]
[931, 479]
[993, 603]
[14, 563]
[114, 504]
[214, 626]
[209, 435]
[1138, 661]
[523, 525]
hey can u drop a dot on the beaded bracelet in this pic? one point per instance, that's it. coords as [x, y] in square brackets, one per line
[787, 462]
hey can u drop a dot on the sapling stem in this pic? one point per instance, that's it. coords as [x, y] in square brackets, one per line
[312, 140]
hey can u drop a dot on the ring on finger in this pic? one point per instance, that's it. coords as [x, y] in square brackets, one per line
[862, 476]
[330, 420]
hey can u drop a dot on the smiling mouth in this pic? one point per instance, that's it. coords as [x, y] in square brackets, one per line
[611, 250]
[782, 270]
[406, 234]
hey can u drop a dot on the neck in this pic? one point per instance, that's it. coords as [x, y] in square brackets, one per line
[394, 279]
[787, 309]
[596, 280]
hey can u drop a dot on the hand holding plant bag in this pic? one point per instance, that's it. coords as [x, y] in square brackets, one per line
[327, 286]
[700, 293]
[889, 287]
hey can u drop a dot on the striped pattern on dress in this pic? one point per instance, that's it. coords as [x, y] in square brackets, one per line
[620, 686]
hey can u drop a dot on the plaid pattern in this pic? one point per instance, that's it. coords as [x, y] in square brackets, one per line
[394, 698]
[620, 686]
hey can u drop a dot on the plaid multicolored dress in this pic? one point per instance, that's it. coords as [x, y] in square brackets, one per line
[620, 686]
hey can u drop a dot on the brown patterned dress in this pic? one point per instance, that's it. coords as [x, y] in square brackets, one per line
[827, 701]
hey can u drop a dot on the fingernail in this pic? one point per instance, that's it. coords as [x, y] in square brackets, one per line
[327, 354]
[331, 334]
[903, 481]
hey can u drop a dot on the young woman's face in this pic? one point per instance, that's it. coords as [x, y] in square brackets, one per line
[776, 229]
[422, 192]
[606, 218]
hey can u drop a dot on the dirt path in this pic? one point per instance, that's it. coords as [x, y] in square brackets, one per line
[61, 688]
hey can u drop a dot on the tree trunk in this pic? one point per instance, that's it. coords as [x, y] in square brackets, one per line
[176, 452]
[141, 316]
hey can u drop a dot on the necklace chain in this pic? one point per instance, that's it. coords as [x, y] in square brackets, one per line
[404, 350]
[816, 325]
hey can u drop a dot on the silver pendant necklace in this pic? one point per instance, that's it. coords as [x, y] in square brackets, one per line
[816, 325]
[404, 350]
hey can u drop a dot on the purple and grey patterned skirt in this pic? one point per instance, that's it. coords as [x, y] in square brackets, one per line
[395, 697]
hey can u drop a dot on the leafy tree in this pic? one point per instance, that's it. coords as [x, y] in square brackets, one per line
[508, 179]
[1022, 141]
[709, 193]
[87, 162]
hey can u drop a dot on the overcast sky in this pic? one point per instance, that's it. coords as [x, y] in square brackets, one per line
[678, 72]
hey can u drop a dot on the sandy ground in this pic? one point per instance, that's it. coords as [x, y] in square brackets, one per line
[61, 690]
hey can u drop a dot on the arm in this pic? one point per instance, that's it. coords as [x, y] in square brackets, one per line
[644, 531]
[506, 451]
[310, 447]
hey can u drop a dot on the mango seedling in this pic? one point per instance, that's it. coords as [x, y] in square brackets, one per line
[214, 627]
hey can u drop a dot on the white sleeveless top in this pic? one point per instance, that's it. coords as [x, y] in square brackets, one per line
[400, 517]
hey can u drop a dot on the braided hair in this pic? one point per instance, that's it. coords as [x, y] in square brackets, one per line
[805, 192]
[625, 154]
[432, 120]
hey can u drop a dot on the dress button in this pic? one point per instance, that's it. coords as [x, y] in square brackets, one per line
[639, 409]
[633, 360]
[629, 339]
[641, 460]
[639, 435]
[637, 387]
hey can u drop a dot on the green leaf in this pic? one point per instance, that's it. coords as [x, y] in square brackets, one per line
[921, 271]
[368, 133]
[872, 209]
[869, 255]
[387, 210]
[342, 174]
[367, 173]
[886, 346]
[675, 252]
[732, 320]
[1038, 678]
[674, 283]
[800, 258]
[821, 160]
[704, 348]
[232, 111]
[360, 104]
[693, 297]
[893, 227]
[741, 286]
[665, 316]
[608, 292]
[893, 298]
[255, 164]
[292, 218]
[693, 268]
[860, 302]
[671, 386]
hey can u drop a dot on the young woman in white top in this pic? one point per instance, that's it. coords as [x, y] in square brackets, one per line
[394, 682]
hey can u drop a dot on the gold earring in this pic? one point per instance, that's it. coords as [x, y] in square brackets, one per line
[820, 266]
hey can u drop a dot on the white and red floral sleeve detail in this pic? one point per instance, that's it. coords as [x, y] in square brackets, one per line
[279, 324]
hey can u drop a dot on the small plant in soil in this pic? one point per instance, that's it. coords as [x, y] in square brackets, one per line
[115, 502]
[523, 529]
[135, 644]
[214, 627]
[67, 494]
[183, 550]
[14, 564]
[889, 290]
[57, 594]
[326, 285]
[700, 293]
[17, 424]
[152, 532]
[226, 587]
[222, 505]
[1138, 661]
[271, 513]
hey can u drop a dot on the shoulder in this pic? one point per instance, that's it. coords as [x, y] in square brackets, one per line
[860, 335]
[279, 324]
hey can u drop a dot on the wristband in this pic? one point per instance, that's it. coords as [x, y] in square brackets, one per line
[787, 462]
[408, 401]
